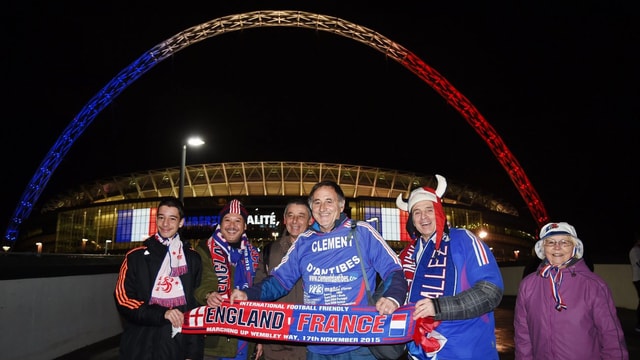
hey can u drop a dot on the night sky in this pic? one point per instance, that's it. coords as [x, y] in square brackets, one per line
[557, 82]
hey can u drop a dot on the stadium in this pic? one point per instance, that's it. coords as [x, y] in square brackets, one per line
[115, 214]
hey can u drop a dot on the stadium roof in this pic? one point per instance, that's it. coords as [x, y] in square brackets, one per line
[267, 179]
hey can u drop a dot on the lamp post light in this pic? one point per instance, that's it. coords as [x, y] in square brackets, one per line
[84, 244]
[39, 248]
[106, 246]
[193, 141]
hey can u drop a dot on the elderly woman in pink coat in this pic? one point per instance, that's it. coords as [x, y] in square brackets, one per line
[564, 310]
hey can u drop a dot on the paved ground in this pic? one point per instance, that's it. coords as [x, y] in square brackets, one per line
[108, 349]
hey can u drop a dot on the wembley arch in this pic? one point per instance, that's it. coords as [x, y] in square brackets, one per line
[264, 19]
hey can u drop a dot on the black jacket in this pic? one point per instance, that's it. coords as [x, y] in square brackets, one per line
[147, 334]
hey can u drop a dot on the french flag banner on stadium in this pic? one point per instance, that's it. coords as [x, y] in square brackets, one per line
[337, 324]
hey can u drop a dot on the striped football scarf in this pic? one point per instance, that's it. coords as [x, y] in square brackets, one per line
[554, 275]
[168, 290]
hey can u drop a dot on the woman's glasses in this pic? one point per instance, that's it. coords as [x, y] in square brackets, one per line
[561, 242]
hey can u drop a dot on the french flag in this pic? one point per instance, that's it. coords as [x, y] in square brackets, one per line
[135, 224]
[392, 222]
[398, 325]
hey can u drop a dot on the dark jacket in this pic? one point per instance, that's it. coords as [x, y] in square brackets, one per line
[147, 334]
[270, 257]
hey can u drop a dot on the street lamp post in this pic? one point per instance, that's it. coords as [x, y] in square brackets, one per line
[106, 246]
[193, 141]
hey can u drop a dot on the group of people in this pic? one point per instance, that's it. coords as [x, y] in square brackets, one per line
[448, 275]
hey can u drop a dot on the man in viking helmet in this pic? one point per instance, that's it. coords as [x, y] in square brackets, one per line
[454, 282]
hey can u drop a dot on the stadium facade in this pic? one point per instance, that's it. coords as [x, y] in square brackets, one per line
[113, 215]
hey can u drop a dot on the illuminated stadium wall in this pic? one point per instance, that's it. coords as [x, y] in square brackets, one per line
[119, 212]
[126, 228]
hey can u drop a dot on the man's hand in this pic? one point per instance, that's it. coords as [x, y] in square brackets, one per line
[175, 316]
[386, 306]
[424, 308]
[214, 299]
[238, 295]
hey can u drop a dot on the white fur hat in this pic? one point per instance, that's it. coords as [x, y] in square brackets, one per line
[559, 228]
[423, 193]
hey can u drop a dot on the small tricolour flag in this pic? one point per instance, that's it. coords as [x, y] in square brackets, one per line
[397, 326]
